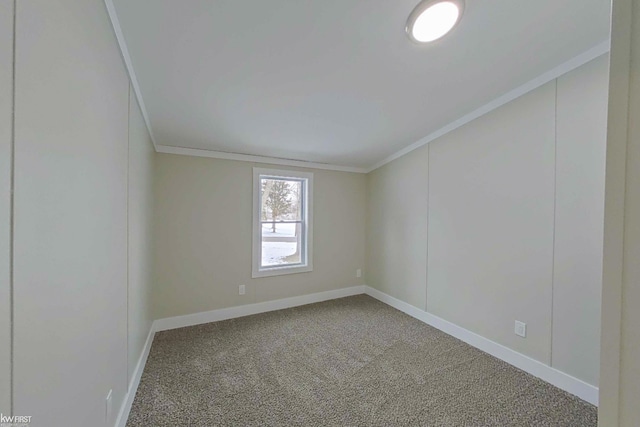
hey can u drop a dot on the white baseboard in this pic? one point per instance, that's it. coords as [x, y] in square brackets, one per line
[538, 369]
[135, 381]
[551, 375]
[249, 309]
[214, 316]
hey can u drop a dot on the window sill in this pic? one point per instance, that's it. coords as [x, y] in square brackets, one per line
[280, 271]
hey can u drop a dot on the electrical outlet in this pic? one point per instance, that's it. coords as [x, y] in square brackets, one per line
[242, 289]
[358, 273]
[521, 329]
[107, 406]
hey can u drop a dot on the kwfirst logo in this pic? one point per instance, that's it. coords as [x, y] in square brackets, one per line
[15, 420]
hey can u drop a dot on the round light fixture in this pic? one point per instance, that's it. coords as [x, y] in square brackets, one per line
[432, 19]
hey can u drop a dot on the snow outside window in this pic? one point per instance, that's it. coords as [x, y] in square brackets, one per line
[282, 217]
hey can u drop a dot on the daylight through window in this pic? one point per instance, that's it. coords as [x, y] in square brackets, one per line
[281, 222]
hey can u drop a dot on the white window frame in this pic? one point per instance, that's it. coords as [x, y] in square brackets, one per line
[307, 216]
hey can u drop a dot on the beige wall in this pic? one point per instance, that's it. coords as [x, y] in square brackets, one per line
[203, 236]
[6, 107]
[630, 332]
[70, 242]
[397, 228]
[500, 189]
[491, 223]
[621, 296]
[579, 219]
[609, 411]
[83, 209]
[140, 226]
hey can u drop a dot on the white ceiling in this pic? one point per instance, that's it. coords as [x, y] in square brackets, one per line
[335, 81]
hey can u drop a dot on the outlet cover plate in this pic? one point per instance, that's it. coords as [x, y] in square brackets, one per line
[521, 329]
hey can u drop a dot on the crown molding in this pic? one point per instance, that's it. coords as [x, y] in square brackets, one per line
[115, 22]
[168, 149]
[117, 29]
[570, 65]
[591, 54]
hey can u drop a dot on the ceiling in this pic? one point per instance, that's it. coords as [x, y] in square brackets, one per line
[335, 81]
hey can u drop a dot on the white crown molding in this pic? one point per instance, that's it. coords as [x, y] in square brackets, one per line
[570, 65]
[115, 22]
[538, 369]
[583, 58]
[168, 149]
[123, 415]
[117, 29]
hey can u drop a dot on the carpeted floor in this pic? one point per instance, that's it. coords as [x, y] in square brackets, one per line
[347, 362]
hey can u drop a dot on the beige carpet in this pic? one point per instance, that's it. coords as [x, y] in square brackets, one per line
[347, 362]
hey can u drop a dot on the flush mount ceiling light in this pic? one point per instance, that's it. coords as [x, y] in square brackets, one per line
[432, 19]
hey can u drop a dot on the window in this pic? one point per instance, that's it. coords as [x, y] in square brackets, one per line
[282, 222]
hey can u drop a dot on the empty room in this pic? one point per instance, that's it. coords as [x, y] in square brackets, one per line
[319, 213]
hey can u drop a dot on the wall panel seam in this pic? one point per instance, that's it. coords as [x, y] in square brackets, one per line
[426, 277]
[555, 209]
[12, 161]
[127, 212]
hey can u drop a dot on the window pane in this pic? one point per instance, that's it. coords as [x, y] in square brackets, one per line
[281, 225]
[281, 199]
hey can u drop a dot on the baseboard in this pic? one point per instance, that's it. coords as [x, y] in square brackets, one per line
[538, 369]
[249, 309]
[551, 375]
[214, 316]
[135, 381]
